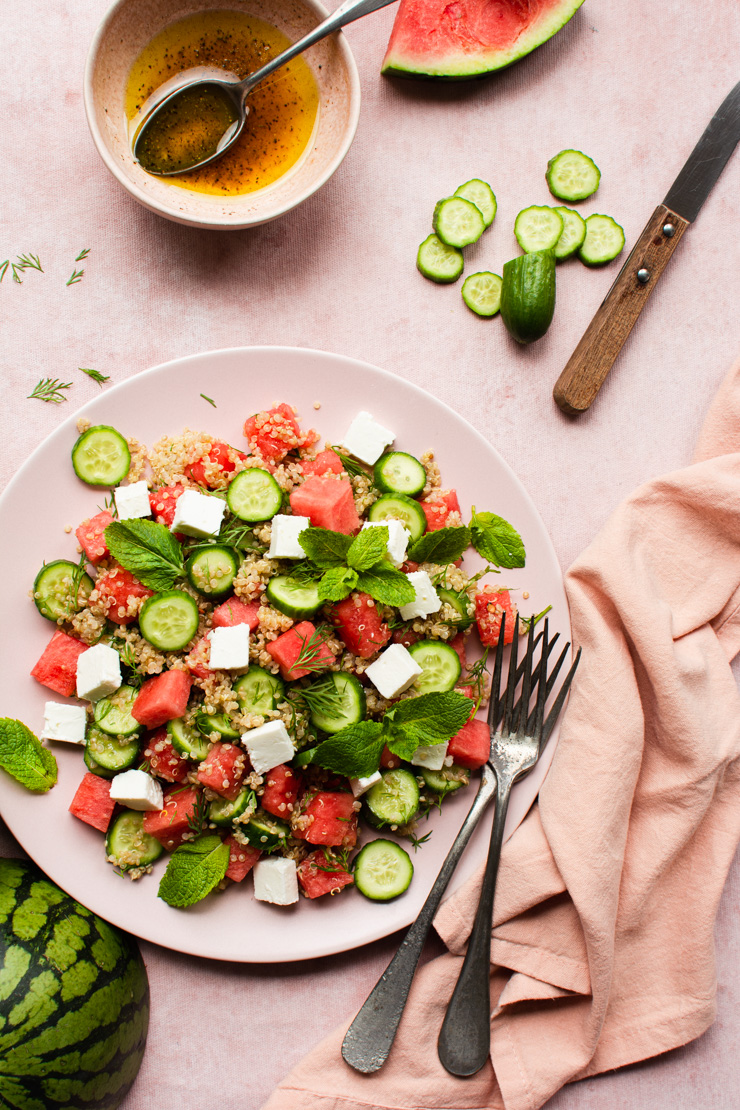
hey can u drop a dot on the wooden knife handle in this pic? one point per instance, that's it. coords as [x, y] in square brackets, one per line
[615, 318]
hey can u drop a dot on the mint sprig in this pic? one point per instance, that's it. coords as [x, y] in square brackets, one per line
[358, 563]
[324, 547]
[194, 870]
[24, 757]
[387, 585]
[368, 548]
[336, 583]
[148, 550]
[497, 540]
[354, 751]
[443, 546]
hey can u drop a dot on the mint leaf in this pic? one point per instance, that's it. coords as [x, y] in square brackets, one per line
[336, 583]
[24, 757]
[444, 546]
[195, 868]
[386, 584]
[353, 751]
[496, 540]
[148, 550]
[369, 547]
[324, 547]
[428, 719]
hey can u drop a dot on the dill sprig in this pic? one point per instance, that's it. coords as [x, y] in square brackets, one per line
[477, 680]
[82, 254]
[536, 618]
[311, 657]
[323, 696]
[77, 275]
[29, 262]
[50, 390]
[336, 860]
[210, 400]
[94, 374]
[305, 572]
[350, 465]
[74, 589]
[417, 841]
[4, 268]
[197, 819]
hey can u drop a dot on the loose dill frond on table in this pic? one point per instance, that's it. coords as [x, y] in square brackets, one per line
[94, 374]
[50, 390]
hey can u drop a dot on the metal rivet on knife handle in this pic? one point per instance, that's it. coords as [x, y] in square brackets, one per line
[669, 231]
[643, 275]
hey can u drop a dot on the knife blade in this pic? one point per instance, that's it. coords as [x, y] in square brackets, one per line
[593, 358]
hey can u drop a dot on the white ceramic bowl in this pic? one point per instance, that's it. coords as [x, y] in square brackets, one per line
[125, 31]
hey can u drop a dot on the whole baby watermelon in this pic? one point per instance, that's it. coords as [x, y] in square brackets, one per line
[74, 999]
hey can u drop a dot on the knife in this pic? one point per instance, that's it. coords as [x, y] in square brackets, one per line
[615, 318]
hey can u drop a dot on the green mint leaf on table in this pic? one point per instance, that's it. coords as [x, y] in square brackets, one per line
[428, 719]
[24, 757]
[194, 870]
[355, 751]
[444, 546]
[368, 548]
[324, 547]
[337, 583]
[148, 550]
[386, 584]
[496, 540]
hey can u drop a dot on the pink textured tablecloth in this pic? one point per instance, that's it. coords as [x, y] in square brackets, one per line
[632, 84]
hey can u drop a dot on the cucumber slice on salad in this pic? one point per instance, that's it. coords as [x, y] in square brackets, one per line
[54, 586]
[458, 222]
[397, 506]
[111, 754]
[439, 262]
[481, 195]
[399, 472]
[95, 767]
[222, 812]
[127, 845]
[572, 175]
[265, 831]
[299, 600]
[186, 741]
[447, 780]
[461, 603]
[101, 457]
[574, 232]
[254, 495]
[440, 666]
[383, 870]
[212, 570]
[394, 800]
[169, 620]
[258, 691]
[482, 293]
[336, 701]
[217, 722]
[604, 241]
[538, 228]
[113, 714]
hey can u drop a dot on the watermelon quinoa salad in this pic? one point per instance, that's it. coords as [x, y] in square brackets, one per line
[268, 644]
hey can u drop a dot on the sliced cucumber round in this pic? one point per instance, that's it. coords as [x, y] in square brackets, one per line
[383, 870]
[111, 754]
[254, 495]
[212, 570]
[113, 714]
[574, 232]
[299, 600]
[481, 195]
[458, 222]
[335, 701]
[128, 845]
[440, 666]
[604, 241]
[399, 472]
[259, 692]
[54, 587]
[217, 722]
[447, 780]
[482, 293]
[538, 228]
[438, 262]
[186, 741]
[394, 800]
[101, 457]
[460, 602]
[396, 506]
[96, 768]
[265, 832]
[572, 175]
[169, 620]
[222, 812]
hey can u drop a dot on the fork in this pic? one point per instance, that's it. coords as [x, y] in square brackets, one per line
[370, 1037]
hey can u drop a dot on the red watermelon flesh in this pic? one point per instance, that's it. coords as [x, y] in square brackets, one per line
[328, 503]
[92, 803]
[57, 667]
[242, 859]
[457, 39]
[162, 699]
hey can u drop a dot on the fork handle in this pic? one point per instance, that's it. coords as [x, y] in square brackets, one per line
[465, 1038]
[370, 1036]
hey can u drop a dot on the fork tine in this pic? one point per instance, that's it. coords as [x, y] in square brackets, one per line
[535, 679]
[523, 714]
[494, 703]
[550, 681]
[512, 683]
[552, 716]
[539, 710]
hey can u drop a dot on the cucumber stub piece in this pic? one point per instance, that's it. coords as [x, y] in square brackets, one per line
[482, 293]
[446, 781]
[54, 587]
[482, 196]
[572, 175]
[113, 714]
[458, 222]
[528, 295]
[186, 741]
[438, 262]
[254, 495]
[110, 754]
[538, 228]
[399, 472]
[574, 232]
[383, 870]
[169, 620]
[604, 241]
[101, 457]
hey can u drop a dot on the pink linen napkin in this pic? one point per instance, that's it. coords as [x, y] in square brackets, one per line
[602, 942]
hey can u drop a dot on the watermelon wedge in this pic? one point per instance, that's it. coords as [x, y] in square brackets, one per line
[457, 39]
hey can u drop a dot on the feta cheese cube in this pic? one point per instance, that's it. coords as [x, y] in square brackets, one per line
[431, 756]
[427, 599]
[98, 672]
[197, 514]
[64, 722]
[132, 501]
[361, 786]
[366, 439]
[276, 881]
[229, 648]
[268, 745]
[136, 790]
[398, 538]
[284, 537]
[393, 671]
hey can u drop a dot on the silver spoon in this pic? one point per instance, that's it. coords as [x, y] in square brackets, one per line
[220, 83]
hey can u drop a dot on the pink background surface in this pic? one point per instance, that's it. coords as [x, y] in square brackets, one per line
[633, 85]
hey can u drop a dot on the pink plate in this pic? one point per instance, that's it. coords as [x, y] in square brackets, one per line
[46, 496]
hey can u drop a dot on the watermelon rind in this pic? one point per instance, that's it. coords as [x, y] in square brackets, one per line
[417, 48]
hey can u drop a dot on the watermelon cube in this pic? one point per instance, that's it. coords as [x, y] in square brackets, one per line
[326, 462]
[164, 761]
[223, 769]
[301, 639]
[328, 502]
[163, 502]
[471, 746]
[282, 787]
[92, 803]
[275, 432]
[389, 761]
[234, 611]
[197, 660]
[170, 824]
[360, 625]
[162, 699]
[57, 667]
[120, 594]
[242, 859]
[318, 875]
[438, 508]
[91, 537]
[458, 643]
[333, 820]
[490, 605]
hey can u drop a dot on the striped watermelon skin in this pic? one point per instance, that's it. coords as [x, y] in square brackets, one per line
[74, 1000]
